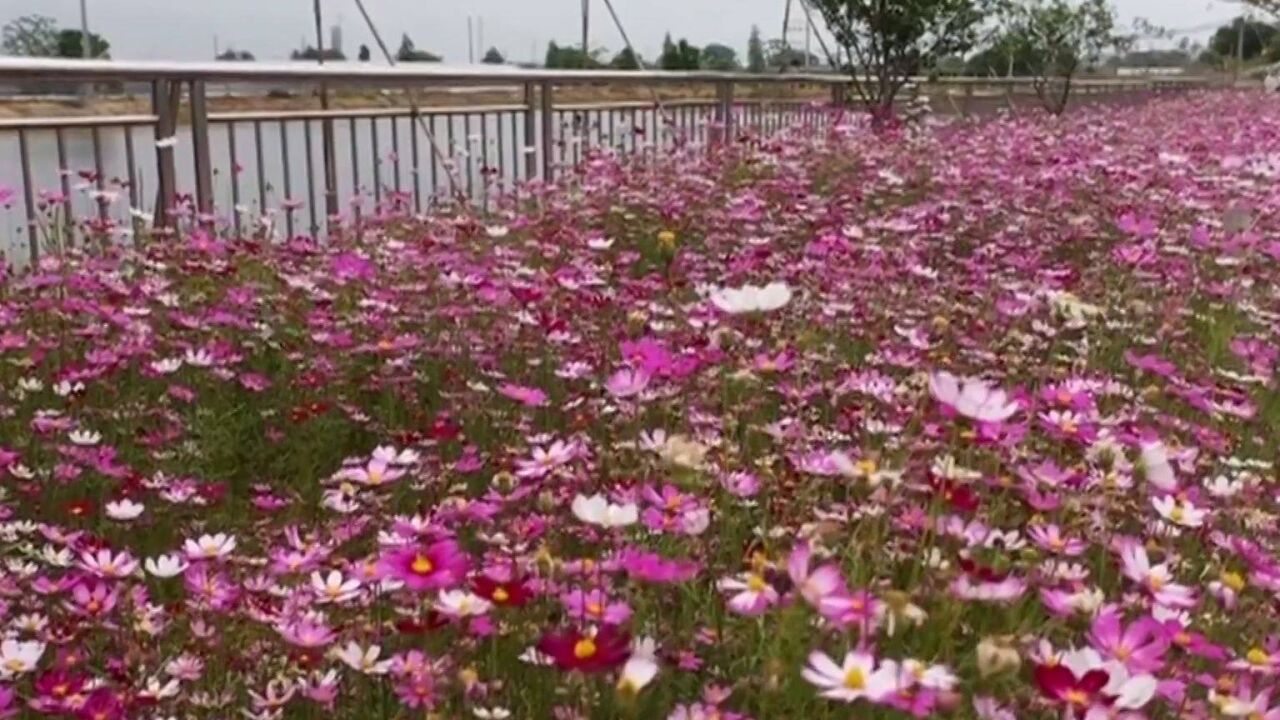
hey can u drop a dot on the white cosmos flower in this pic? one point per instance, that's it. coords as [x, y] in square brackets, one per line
[208, 547]
[360, 659]
[640, 670]
[600, 243]
[493, 713]
[1178, 512]
[972, 397]
[124, 510]
[166, 566]
[1223, 487]
[167, 366]
[18, 657]
[596, 510]
[750, 298]
[105, 563]
[84, 438]
[857, 677]
[1155, 460]
[333, 587]
[497, 231]
[460, 603]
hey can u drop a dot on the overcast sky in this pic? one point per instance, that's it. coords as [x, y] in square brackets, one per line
[186, 29]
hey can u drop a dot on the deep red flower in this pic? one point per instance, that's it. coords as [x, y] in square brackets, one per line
[1058, 682]
[589, 652]
[102, 704]
[512, 593]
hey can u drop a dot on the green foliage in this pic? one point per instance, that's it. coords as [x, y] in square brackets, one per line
[679, 56]
[1058, 38]
[887, 42]
[494, 57]
[625, 60]
[39, 36]
[71, 45]
[570, 58]
[233, 55]
[1257, 37]
[755, 52]
[719, 57]
[364, 55]
[409, 53]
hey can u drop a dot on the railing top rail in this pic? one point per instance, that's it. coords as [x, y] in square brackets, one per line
[113, 71]
[74, 121]
[341, 73]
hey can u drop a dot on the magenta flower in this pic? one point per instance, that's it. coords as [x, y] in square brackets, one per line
[1140, 646]
[627, 382]
[434, 567]
[527, 396]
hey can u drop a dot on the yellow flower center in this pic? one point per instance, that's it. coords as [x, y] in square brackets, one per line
[1064, 397]
[15, 665]
[1177, 513]
[422, 565]
[375, 476]
[1155, 582]
[855, 680]
[1233, 580]
[1077, 697]
[500, 595]
[595, 608]
[584, 648]
[866, 467]
[1258, 656]
[755, 583]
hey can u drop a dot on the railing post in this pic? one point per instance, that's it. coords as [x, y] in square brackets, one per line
[547, 137]
[724, 109]
[28, 196]
[165, 96]
[529, 150]
[200, 139]
[968, 100]
[839, 95]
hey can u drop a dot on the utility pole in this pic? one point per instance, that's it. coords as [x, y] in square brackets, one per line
[86, 51]
[471, 44]
[326, 125]
[1235, 76]
[480, 48]
[586, 31]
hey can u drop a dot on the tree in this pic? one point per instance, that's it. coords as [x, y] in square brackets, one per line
[1005, 56]
[365, 55]
[719, 57]
[1060, 37]
[625, 60]
[887, 42]
[755, 52]
[494, 57]
[30, 36]
[1257, 35]
[409, 53]
[690, 55]
[570, 58]
[670, 57]
[779, 56]
[233, 55]
[71, 45]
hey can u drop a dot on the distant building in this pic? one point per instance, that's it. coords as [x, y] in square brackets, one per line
[1150, 71]
[335, 39]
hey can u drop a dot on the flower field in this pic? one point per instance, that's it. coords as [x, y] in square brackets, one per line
[967, 420]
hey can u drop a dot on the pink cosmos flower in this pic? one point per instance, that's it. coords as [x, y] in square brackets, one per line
[594, 606]
[1140, 646]
[972, 398]
[527, 396]
[1050, 538]
[823, 582]
[1155, 579]
[434, 567]
[627, 382]
[751, 593]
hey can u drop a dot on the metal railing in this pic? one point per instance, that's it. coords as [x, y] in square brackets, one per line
[412, 134]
